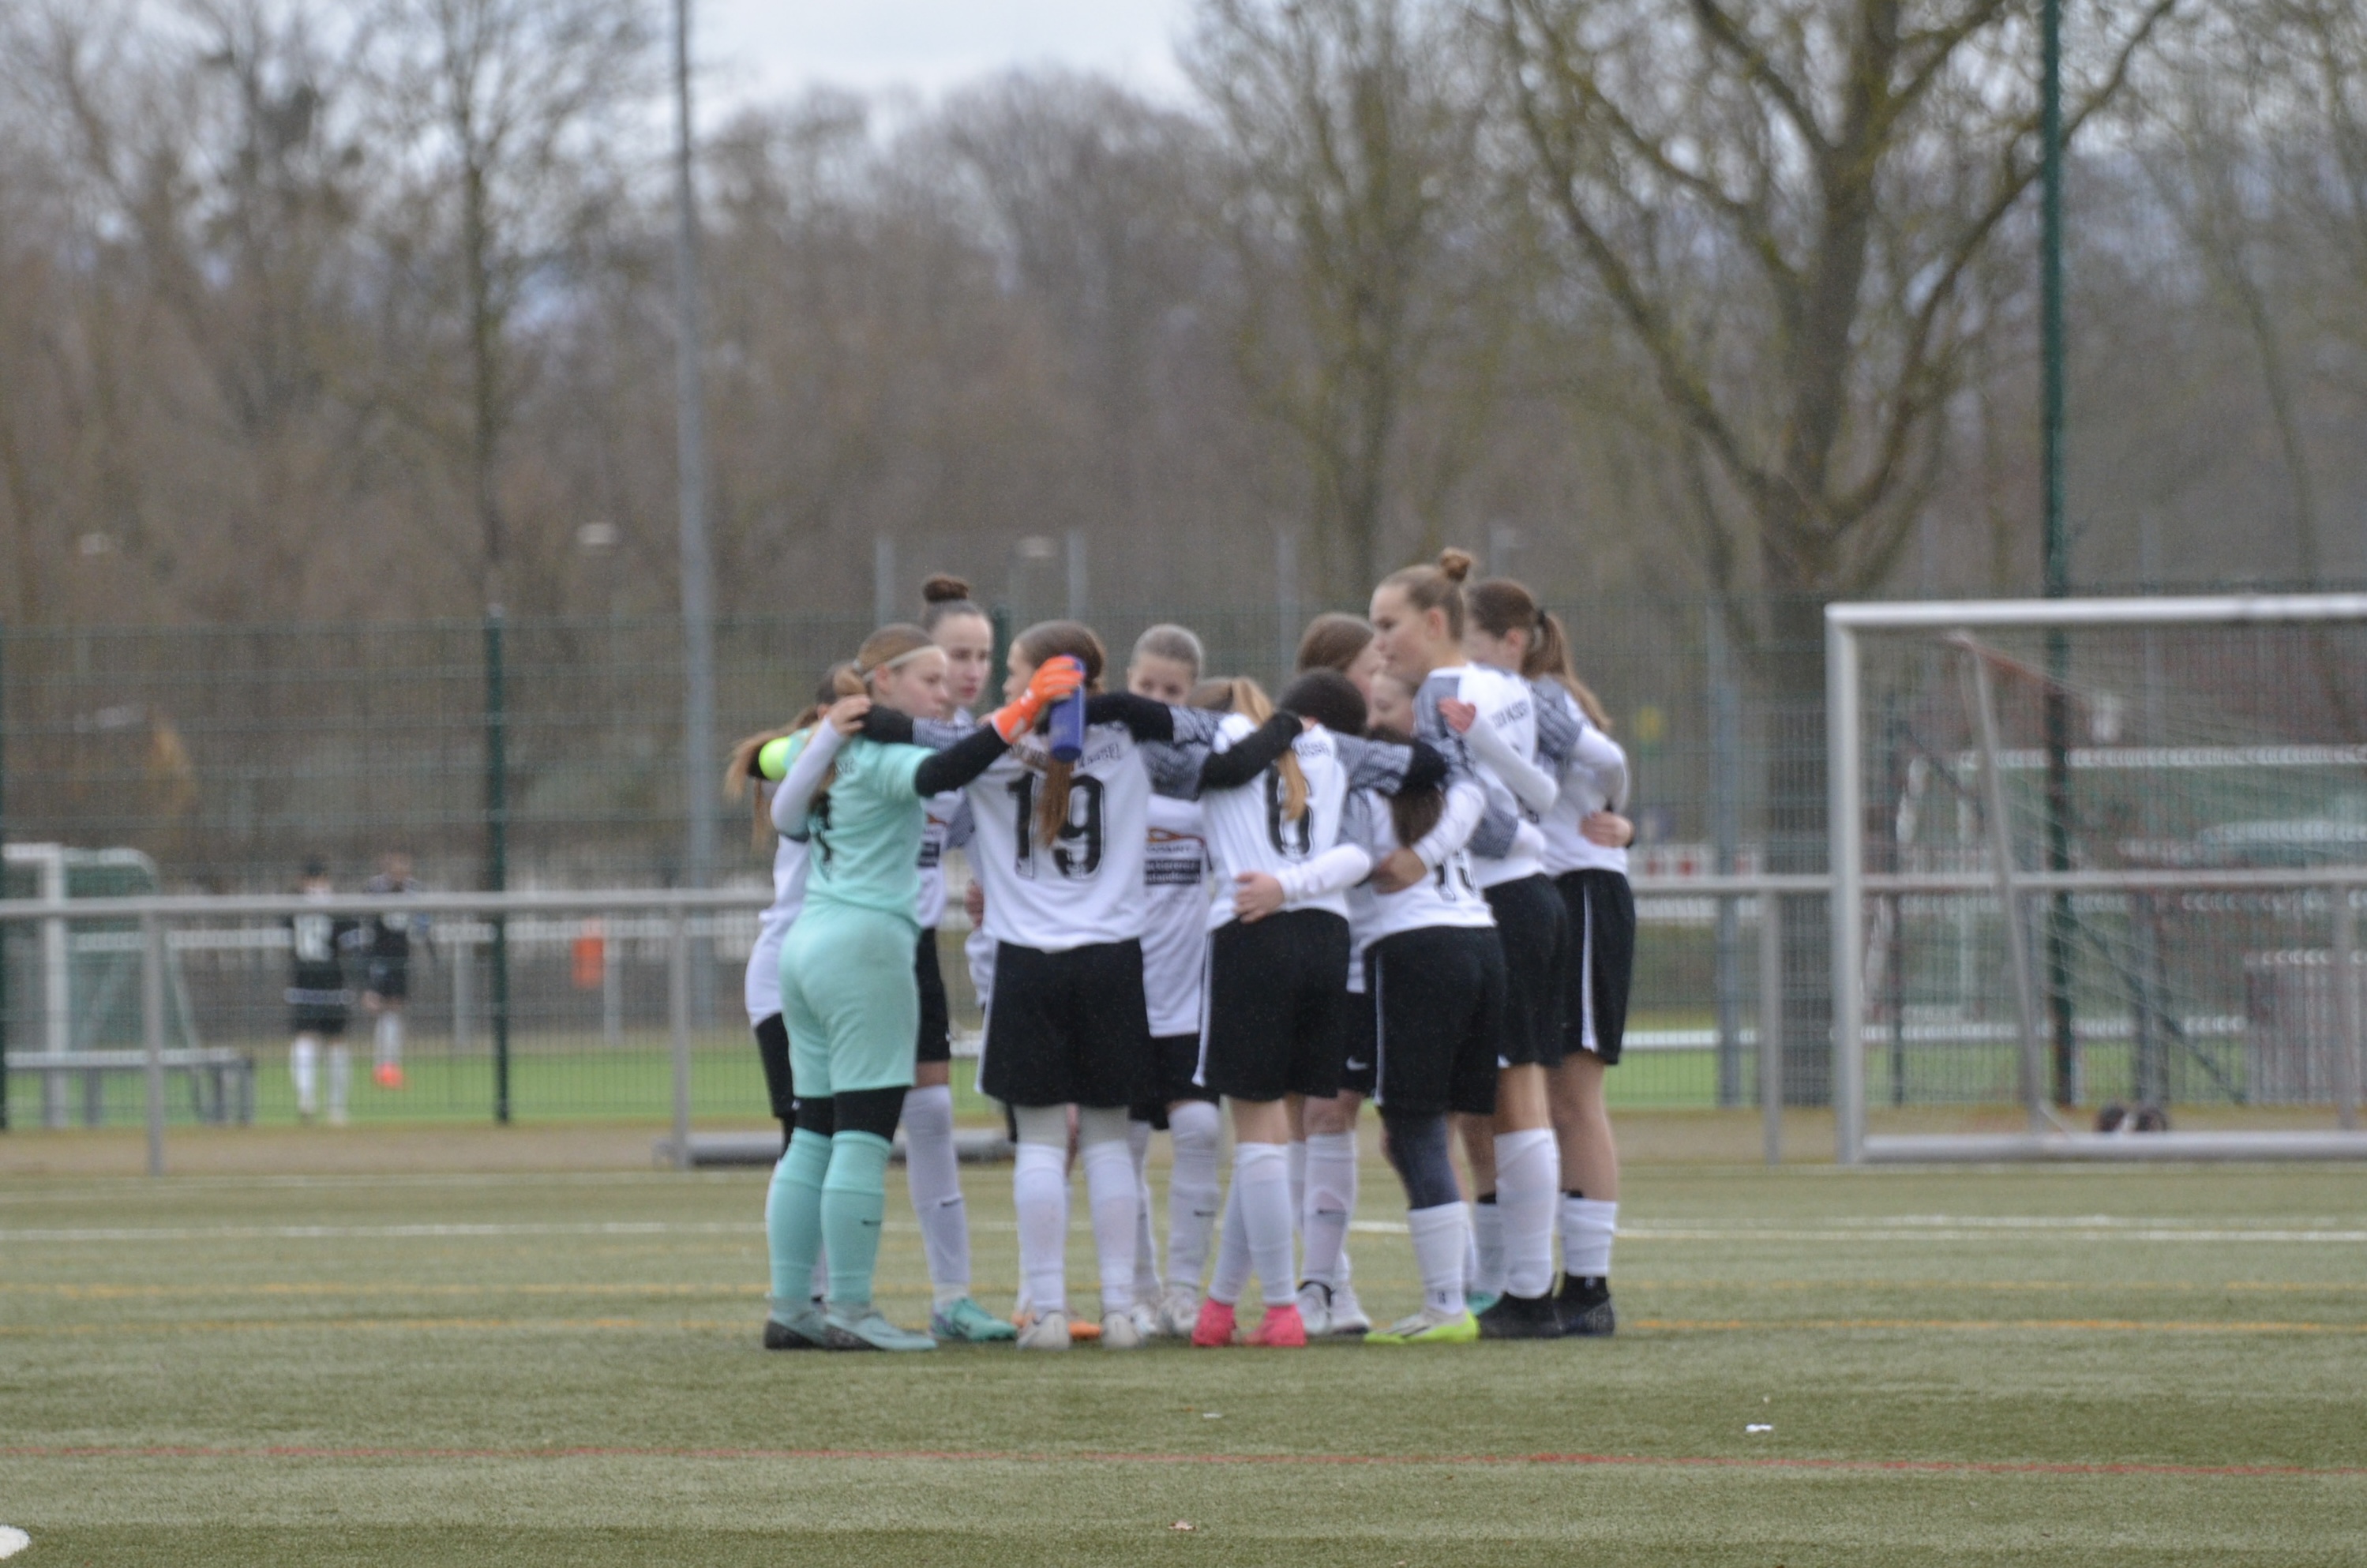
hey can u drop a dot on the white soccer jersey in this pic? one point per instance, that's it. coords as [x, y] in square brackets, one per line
[1448, 896]
[1505, 703]
[761, 988]
[936, 835]
[1593, 778]
[1176, 916]
[1086, 885]
[1248, 830]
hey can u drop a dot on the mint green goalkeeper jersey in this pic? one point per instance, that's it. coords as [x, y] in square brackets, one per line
[865, 835]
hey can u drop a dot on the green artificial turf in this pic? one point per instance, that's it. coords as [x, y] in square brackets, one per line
[2030, 1366]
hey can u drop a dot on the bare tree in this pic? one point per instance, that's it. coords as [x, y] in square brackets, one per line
[510, 120]
[1353, 127]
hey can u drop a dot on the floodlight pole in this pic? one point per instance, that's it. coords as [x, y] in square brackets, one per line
[698, 758]
[2057, 562]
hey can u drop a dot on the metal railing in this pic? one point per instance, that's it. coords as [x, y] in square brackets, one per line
[1759, 896]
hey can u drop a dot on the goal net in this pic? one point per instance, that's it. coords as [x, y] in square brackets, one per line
[2098, 867]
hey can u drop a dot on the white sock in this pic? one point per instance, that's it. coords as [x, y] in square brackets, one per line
[1232, 1276]
[1193, 1194]
[304, 1072]
[932, 1175]
[1331, 1203]
[1528, 1185]
[1297, 1148]
[1470, 1249]
[387, 1044]
[1146, 1250]
[341, 1079]
[1586, 1230]
[1261, 1179]
[1117, 1202]
[1438, 1246]
[1039, 1187]
[1487, 1274]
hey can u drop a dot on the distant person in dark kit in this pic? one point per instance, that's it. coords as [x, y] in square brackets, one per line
[386, 988]
[318, 1001]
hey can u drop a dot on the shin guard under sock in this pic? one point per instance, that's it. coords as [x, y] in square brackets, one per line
[1528, 1185]
[793, 1219]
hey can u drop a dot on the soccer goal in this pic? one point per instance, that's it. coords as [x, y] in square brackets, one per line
[2097, 866]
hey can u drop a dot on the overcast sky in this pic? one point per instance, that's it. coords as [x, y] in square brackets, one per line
[769, 49]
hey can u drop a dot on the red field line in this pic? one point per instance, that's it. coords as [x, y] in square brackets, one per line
[1703, 1461]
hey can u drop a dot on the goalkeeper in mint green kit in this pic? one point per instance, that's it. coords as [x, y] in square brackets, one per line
[847, 989]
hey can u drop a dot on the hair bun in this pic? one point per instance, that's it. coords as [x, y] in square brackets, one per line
[943, 589]
[1455, 564]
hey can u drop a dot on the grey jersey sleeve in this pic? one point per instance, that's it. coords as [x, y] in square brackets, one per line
[1559, 722]
[1493, 839]
[1175, 765]
[937, 734]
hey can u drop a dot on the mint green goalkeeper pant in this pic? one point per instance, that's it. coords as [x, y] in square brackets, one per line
[850, 999]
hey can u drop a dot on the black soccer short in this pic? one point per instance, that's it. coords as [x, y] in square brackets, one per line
[936, 1042]
[1360, 1028]
[1438, 1007]
[1534, 930]
[389, 979]
[773, 1053]
[1601, 909]
[1069, 1027]
[317, 1012]
[1177, 1057]
[1274, 1015]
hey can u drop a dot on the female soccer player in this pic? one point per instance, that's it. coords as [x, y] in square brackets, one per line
[1418, 619]
[1428, 1018]
[846, 979]
[1586, 854]
[1165, 667]
[1323, 1132]
[743, 777]
[1275, 999]
[931, 1165]
[1061, 846]
[318, 1000]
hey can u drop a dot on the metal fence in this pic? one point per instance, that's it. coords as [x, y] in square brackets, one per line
[599, 1019]
[231, 755]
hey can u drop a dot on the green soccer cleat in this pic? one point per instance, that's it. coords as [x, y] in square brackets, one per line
[862, 1328]
[801, 1328]
[1426, 1327]
[966, 1323]
[1479, 1301]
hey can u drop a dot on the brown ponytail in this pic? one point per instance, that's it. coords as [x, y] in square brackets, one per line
[1501, 607]
[1049, 639]
[1251, 702]
[1438, 587]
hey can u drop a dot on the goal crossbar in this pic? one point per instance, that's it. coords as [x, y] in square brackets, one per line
[2048, 1139]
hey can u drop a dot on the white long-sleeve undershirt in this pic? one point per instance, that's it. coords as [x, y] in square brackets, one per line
[793, 797]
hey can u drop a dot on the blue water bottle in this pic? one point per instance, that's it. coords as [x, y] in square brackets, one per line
[1069, 728]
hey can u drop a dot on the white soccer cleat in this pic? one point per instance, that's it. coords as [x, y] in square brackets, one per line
[1179, 1312]
[1314, 1309]
[1049, 1332]
[1120, 1331]
[1146, 1320]
[1348, 1319]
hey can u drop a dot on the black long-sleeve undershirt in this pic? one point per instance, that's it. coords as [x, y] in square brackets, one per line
[957, 764]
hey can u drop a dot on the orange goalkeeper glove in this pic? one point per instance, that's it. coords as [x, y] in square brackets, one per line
[1054, 679]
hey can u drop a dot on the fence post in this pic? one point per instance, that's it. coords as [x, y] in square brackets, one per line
[2346, 1009]
[151, 1032]
[678, 1011]
[6, 927]
[497, 852]
[1770, 1024]
[1725, 817]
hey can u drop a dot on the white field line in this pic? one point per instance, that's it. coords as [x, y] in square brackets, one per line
[1925, 1228]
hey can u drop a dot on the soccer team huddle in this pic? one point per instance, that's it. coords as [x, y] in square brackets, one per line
[1401, 881]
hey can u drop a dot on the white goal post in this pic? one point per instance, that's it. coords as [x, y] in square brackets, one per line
[1988, 889]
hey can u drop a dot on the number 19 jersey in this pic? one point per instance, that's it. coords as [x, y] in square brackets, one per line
[1086, 885]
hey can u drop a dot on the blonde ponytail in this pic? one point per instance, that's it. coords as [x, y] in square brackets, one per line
[1251, 702]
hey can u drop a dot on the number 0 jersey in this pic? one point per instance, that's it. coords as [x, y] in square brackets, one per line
[1249, 828]
[1174, 935]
